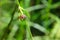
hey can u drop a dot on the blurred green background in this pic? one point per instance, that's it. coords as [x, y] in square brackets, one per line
[29, 19]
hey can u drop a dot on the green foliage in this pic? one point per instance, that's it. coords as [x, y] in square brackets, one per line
[38, 16]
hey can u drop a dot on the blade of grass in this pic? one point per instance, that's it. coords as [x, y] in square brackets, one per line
[28, 32]
[12, 33]
[39, 27]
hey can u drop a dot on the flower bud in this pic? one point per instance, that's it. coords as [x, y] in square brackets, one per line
[22, 17]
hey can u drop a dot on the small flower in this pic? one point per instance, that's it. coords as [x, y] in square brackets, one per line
[22, 17]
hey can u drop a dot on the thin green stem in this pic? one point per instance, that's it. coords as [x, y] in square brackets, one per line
[28, 35]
